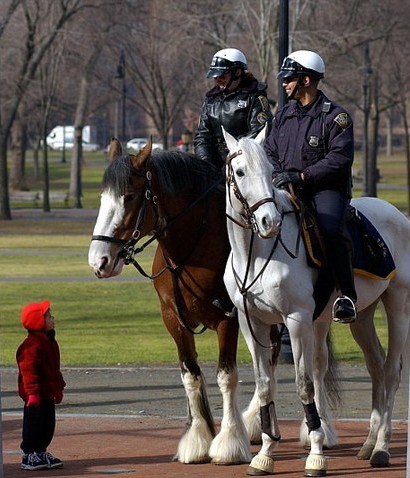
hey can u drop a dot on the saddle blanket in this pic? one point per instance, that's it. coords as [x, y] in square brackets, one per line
[372, 257]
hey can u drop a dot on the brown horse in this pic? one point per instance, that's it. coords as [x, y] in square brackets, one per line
[178, 200]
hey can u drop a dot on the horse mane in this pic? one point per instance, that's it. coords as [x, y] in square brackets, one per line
[177, 172]
[254, 152]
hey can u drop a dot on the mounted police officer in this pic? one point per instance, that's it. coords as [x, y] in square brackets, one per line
[311, 146]
[237, 101]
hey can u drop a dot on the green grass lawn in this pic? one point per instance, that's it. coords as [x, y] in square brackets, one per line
[113, 321]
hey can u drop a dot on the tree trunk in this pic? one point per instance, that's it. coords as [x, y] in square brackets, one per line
[5, 211]
[389, 134]
[46, 179]
[17, 157]
[81, 110]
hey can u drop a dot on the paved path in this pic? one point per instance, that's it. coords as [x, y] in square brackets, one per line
[128, 420]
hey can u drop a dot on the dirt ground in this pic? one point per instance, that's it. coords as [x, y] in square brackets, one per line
[128, 421]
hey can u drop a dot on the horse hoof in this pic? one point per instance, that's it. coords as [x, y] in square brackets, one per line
[261, 465]
[316, 465]
[380, 459]
[365, 452]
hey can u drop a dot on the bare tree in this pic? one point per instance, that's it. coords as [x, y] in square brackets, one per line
[30, 42]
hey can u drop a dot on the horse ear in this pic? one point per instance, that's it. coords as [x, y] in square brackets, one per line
[141, 158]
[262, 134]
[115, 149]
[230, 140]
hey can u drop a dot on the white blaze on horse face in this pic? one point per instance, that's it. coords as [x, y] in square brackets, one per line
[103, 255]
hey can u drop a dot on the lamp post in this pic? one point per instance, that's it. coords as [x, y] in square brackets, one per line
[283, 45]
[121, 76]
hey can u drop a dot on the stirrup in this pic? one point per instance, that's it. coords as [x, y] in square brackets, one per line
[344, 310]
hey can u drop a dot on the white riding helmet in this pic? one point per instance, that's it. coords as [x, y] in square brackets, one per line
[226, 60]
[302, 62]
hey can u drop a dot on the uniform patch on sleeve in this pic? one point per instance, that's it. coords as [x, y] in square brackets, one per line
[264, 102]
[342, 119]
[262, 118]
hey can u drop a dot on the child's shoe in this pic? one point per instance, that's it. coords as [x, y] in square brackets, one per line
[50, 460]
[32, 461]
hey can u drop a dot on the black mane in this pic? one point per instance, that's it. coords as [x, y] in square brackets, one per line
[177, 173]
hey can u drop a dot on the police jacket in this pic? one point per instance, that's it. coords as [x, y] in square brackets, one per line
[242, 112]
[316, 140]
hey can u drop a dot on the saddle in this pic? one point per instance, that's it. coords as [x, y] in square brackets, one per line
[371, 256]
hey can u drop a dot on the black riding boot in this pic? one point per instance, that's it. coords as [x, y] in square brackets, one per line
[344, 309]
[226, 305]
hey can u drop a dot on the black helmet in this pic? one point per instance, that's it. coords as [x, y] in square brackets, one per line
[302, 62]
[226, 60]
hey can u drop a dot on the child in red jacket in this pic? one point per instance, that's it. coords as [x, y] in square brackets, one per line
[40, 385]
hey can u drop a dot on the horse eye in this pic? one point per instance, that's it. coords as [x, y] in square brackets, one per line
[128, 198]
[240, 173]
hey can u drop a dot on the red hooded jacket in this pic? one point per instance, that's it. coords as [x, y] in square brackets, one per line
[38, 359]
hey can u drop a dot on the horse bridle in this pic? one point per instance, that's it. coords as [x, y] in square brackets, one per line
[249, 216]
[127, 251]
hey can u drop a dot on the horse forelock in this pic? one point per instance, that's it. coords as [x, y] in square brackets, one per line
[117, 175]
[176, 172]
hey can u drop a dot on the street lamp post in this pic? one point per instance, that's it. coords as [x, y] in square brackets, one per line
[121, 76]
[283, 45]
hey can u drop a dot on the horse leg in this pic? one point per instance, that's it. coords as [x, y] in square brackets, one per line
[302, 340]
[264, 371]
[231, 445]
[252, 419]
[252, 416]
[323, 365]
[364, 333]
[194, 445]
[394, 301]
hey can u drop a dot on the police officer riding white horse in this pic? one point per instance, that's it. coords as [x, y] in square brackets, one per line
[311, 146]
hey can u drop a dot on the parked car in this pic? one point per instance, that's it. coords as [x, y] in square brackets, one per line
[137, 143]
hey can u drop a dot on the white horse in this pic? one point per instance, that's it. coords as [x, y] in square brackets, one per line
[269, 285]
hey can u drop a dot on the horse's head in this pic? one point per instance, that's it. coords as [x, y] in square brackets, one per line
[249, 185]
[123, 216]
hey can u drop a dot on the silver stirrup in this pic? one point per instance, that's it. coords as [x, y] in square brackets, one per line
[344, 320]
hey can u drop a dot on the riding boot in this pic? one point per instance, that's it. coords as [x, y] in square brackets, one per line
[226, 305]
[344, 309]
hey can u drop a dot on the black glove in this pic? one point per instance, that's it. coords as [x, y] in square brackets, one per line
[287, 177]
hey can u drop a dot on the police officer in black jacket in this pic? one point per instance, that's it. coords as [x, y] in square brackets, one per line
[238, 102]
[311, 146]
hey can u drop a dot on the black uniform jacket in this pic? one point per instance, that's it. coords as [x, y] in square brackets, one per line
[316, 140]
[242, 112]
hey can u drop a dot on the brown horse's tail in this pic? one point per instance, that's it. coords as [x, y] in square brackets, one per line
[332, 376]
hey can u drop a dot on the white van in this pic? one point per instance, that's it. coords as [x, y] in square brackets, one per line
[63, 137]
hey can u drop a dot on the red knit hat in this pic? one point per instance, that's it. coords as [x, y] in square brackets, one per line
[33, 315]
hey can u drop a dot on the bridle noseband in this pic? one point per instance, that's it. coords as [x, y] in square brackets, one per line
[249, 216]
